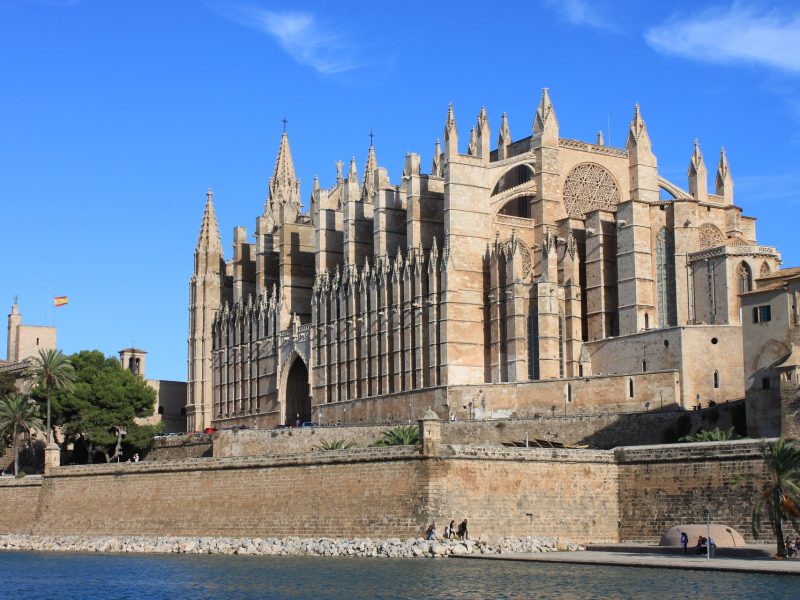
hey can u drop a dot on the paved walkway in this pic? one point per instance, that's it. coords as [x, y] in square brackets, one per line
[768, 566]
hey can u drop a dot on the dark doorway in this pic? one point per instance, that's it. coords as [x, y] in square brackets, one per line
[298, 402]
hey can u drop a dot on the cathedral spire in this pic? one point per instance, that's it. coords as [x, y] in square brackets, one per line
[284, 187]
[472, 148]
[209, 240]
[503, 138]
[724, 181]
[368, 188]
[450, 133]
[484, 141]
[698, 175]
[642, 163]
[638, 129]
[352, 174]
[436, 165]
[545, 123]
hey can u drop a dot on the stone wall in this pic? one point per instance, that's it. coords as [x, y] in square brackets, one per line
[598, 431]
[630, 494]
[262, 442]
[377, 493]
[572, 396]
[179, 447]
[663, 486]
[18, 502]
[525, 491]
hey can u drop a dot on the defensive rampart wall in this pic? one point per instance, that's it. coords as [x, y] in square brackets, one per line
[584, 495]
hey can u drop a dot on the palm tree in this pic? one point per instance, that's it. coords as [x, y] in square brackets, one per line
[335, 445]
[51, 371]
[402, 435]
[713, 435]
[17, 412]
[779, 494]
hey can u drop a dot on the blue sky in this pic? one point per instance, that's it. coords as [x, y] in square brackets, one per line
[115, 116]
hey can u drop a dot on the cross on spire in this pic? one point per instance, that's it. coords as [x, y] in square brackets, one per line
[284, 121]
[371, 137]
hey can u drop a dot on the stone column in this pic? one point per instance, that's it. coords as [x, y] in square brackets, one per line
[52, 457]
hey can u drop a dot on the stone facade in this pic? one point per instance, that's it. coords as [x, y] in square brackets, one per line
[24, 343]
[544, 259]
[170, 404]
[631, 494]
[771, 331]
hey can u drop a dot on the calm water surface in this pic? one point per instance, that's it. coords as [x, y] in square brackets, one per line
[28, 576]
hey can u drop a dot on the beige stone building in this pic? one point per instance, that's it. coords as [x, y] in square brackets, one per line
[518, 277]
[24, 343]
[170, 404]
[771, 332]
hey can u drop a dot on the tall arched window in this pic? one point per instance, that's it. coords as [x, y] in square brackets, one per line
[631, 389]
[716, 380]
[665, 279]
[745, 277]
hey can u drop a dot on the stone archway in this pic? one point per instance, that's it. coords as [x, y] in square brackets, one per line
[297, 399]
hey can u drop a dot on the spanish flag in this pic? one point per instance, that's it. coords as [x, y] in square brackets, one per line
[60, 300]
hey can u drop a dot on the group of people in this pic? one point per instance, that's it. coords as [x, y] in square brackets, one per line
[792, 547]
[702, 543]
[450, 531]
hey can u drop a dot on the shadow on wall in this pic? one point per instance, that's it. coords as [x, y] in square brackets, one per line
[667, 427]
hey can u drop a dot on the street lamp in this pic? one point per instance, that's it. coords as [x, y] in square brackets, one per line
[708, 533]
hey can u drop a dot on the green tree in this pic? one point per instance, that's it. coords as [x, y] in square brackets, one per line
[98, 413]
[52, 372]
[401, 435]
[714, 435]
[17, 414]
[779, 493]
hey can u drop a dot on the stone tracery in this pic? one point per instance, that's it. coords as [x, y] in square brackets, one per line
[709, 236]
[589, 187]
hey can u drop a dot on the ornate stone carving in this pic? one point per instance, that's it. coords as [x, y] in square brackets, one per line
[589, 187]
[525, 253]
[709, 236]
[596, 148]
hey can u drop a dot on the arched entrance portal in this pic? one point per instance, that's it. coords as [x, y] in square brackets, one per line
[298, 401]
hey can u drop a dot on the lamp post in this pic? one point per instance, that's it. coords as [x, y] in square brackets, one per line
[708, 533]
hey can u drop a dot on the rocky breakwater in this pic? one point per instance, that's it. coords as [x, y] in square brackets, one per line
[290, 546]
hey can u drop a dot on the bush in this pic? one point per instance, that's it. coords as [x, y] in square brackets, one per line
[335, 445]
[402, 435]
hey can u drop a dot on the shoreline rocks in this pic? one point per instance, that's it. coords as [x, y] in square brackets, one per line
[288, 546]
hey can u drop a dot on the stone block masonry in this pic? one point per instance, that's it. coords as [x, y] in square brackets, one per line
[359, 492]
[663, 486]
[627, 494]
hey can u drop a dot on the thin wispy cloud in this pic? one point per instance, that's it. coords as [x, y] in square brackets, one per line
[303, 36]
[580, 12]
[739, 33]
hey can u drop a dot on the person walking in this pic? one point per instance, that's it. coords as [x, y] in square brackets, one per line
[684, 541]
[462, 530]
[452, 528]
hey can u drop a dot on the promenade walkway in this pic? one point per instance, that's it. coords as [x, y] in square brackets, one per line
[768, 566]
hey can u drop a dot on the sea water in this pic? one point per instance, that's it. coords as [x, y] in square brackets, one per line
[34, 575]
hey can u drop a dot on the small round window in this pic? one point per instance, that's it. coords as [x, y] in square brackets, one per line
[666, 343]
[714, 340]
